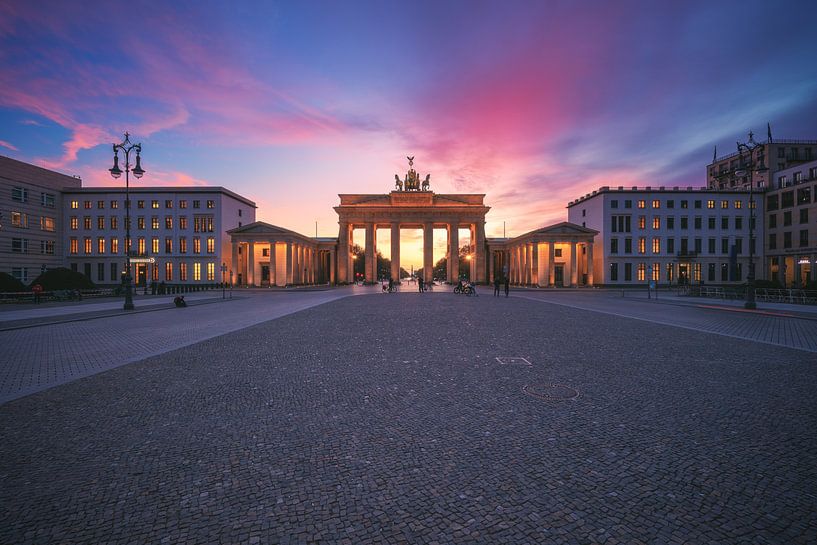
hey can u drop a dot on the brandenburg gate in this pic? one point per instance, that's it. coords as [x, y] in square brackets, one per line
[411, 205]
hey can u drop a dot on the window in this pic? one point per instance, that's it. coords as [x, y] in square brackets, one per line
[154, 222]
[47, 247]
[100, 222]
[19, 194]
[710, 204]
[239, 210]
[787, 199]
[154, 204]
[140, 204]
[787, 218]
[47, 200]
[74, 246]
[698, 245]
[724, 272]
[773, 241]
[628, 203]
[670, 204]
[671, 222]
[711, 245]
[196, 204]
[781, 153]
[670, 245]
[656, 222]
[684, 245]
[613, 245]
[100, 245]
[724, 204]
[88, 205]
[140, 223]
[641, 271]
[196, 245]
[656, 203]
[114, 222]
[739, 245]
[804, 195]
[698, 222]
[684, 222]
[264, 252]
[196, 271]
[697, 204]
[168, 222]
[738, 204]
[211, 245]
[183, 222]
[628, 245]
[19, 245]
[154, 245]
[684, 204]
[724, 245]
[169, 203]
[656, 245]
[19, 219]
[710, 222]
[556, 253]
[725, 222]
[738, 222]
[642, 245]
[168, 271]
[772, 221]
[711, 272]
[168, 245]
[613, 272]
[183, 272]
[642, 222]
[89, 245]
[114, 205]
[771, 202]
[114, 250]
[211, 272]
[584, 213]
[74, 204]
[613, 204]
[209, 224]
[620, 224]
[182, 204]
[211, 204]
[140, 246]
[182, 245]
[642, 204]
[656, 271]
[803, 238]
[804, 215]
[74, 223]
[100, 205]
[86, 222]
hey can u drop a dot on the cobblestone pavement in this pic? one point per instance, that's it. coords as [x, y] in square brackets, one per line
[38, 358]
[770, 325]
[387, 419]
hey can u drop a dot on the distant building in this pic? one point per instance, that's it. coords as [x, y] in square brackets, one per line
[670, 235]
[728, 172]
[791, 224]
[31, 211]
[182, 230]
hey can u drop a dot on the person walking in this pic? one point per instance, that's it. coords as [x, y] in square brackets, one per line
[420, 283]
[507, 286]
[496, 286]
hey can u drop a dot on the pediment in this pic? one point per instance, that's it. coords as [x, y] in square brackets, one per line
[261, 228]
[564, 228]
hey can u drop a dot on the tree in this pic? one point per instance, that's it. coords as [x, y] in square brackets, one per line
[63, 279]
[9, 283]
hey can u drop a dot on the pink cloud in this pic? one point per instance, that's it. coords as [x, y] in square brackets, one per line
[5, 144]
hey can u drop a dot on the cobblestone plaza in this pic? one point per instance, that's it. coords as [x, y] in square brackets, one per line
[400, 419]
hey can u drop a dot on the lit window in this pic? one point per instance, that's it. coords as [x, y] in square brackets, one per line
[140, 204]
[641, 272]
[724, 204]
[114, 223]
[114, 245]
[211, 272]
[656, 203]
[182, 204]
[183, 272]
[47, 247]
[74, 245]
[196, 245]
[642, 222]
[182, 245]
[140, 246]
[183, 222]
[211, 204]
[168, 271]
[88, 205]
[88, 245]
[168, 245]
[86, 222]
[100, 205]
[75, 204]
[168, 204]
[100, 245]
[114, 204]
[211, 245]
[642, 204]
[100, 222]
[140, 223]
[710, 204]
[656, 271]
[656, 245]
[154, 223]
[738, 204]
[196, 271]
[154, 204]
[642, 245]
[48, 223]
[18, 219]
[154, 245]
[168, 222]
[656, 222]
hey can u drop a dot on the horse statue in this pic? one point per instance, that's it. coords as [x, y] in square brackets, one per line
[398, 183]
[426, 182]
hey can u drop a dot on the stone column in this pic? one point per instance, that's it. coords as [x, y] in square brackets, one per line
[371, 256]
[343, 252]
[395, 251]
[813, 265]
[534, 269]
[250, 263]
[428, 251]
[479, 250]
[574, 269]
[797, 272]
[453, 253]
[491, 266]
[273, 269]
[552, 264]
[590, 280]
[234, 266]
[528, 260]
[288, 266]
[332, 263]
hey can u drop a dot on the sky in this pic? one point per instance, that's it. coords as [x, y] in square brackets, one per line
[533, 103]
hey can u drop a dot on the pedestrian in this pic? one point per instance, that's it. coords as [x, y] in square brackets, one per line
[496, 286]
[420, 283]
[507, 285]
[391, 284]
[38, 290]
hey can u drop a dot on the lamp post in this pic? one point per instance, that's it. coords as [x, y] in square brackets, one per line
[126, 147]
[223, 282]
[750, 148]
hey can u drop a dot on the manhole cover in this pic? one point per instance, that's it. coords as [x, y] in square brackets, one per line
[550, 391]
[513, 360]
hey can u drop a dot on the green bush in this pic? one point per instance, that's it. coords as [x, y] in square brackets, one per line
[9, 283]
[63, 279]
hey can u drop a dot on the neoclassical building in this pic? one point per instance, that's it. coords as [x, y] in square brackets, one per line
[268, 255]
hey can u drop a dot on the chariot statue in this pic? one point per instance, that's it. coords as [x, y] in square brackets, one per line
[411, 181]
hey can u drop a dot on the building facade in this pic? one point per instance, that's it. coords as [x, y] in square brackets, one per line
[178, 234]
[31, 216]
[768, 158]
[791, 226]
[671, 235]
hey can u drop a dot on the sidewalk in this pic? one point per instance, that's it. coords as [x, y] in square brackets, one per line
[789, 310]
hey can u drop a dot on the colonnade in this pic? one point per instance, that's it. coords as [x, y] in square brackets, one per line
[545, 263]
[269, 262]
[795, 270]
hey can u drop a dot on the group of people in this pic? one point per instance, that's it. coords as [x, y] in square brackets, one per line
[498, 283]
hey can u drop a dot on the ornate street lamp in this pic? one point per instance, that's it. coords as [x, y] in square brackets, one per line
[750, 166]
[126, 147]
